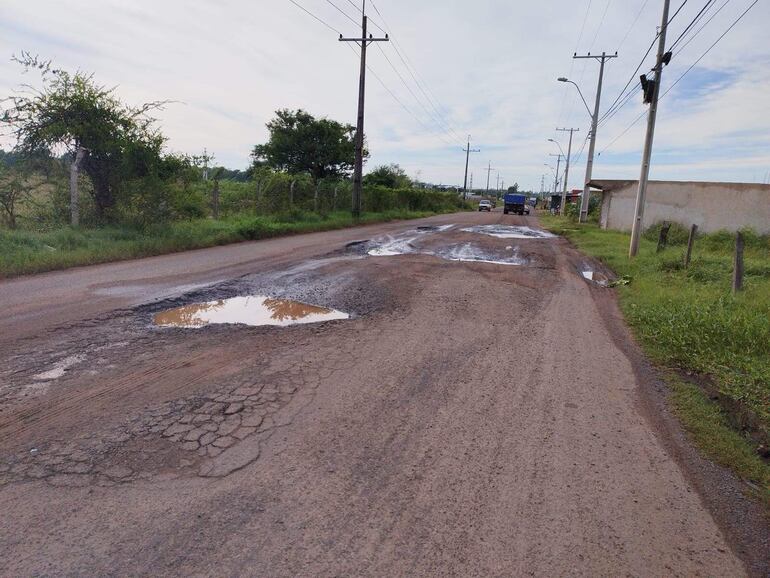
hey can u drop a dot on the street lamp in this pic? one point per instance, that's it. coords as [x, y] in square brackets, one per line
[563, 79]
[584, 202]
[558, 145]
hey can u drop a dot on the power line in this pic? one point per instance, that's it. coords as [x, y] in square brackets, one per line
[637, 119]
[430, 97]
[646, 54]
[329, 26]
[692, 23]
[630, 28]
[572, 63]
[714, 15]
[401, 78]
[345, 14]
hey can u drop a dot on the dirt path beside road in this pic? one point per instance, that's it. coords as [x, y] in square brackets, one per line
[475, 417]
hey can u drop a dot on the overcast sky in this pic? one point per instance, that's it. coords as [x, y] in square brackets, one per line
[488, 66]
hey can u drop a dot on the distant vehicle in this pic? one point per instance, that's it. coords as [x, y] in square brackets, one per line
[485, 206]
[526, 209]
[514, 203]
[533, 201]
[494, 203]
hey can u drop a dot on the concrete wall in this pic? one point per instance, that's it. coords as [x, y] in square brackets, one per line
[711, 206]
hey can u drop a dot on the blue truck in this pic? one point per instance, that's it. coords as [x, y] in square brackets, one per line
[514, 203]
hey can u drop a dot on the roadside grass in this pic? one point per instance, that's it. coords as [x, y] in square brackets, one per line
[688, 321]
[24, 252]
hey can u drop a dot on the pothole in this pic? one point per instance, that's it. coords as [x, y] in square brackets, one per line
[509, 232]
[255, 310]
[470, 253]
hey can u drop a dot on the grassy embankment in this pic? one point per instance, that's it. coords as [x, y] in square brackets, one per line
[714, 348]
[23, 252]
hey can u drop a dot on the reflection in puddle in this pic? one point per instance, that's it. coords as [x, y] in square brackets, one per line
[596, 277]
[509, 232]
[393, 246]
[471, 253]
[251, 310]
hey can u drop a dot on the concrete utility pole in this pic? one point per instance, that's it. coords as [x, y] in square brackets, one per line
[497, 182]
[556, 174]
[468, 152]
[205, 165]
[489, 170]
[358, 168]
[566, 168]
[594, 122]
[636, 227]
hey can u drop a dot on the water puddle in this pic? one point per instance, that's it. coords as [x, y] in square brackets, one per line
[470, 253]
[509, 232]
[596, 277]
[251, 310]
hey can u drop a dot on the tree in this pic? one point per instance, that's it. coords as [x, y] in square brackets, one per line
[391, 176]
[301, 143]
[514, 188]
[72, 111]
[12, 192]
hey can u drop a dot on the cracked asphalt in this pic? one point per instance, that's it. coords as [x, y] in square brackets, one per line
[483, 413]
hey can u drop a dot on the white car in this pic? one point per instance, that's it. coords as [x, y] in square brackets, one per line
[485, 206]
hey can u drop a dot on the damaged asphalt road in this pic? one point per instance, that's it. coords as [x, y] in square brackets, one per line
[473, 409]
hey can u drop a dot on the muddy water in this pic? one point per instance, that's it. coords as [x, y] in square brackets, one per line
[251, 310]
[509, 232]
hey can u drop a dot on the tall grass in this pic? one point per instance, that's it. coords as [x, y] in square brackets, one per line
[24, 252]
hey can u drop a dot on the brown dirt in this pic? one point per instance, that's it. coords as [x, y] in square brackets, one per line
[471, 419]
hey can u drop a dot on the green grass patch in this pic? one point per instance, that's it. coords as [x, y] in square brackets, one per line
[25, 252]
[688, 319]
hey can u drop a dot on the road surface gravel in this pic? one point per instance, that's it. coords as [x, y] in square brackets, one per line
[470, 419]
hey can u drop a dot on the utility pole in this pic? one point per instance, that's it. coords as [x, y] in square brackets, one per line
[74, 195]
[468, 152]
[663, 57]
[497, 183]
[594, 122]
[358, 168]
[566, 168]
[205, 165]
[556, 174]
[489, 170]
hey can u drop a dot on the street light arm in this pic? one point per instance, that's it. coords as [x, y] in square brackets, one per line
[590, 114]
[558, 145]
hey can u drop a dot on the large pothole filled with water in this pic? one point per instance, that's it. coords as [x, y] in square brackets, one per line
[254, 310]
[509, 232]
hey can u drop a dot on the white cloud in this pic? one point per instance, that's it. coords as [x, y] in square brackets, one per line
[491, 63]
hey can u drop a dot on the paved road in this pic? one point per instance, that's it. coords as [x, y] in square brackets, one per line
[471, 419]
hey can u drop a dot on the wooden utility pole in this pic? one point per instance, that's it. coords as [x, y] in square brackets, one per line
[468, 150]
[641, 194]
[358, 167]
[74, 195]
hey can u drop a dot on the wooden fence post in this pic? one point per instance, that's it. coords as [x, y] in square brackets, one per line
[738, 263]
[690, 241]
[663, 237]
[215, 198]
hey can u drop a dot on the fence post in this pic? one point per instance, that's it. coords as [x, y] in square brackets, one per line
[315, 198]
[663, 237]
[291, 193]
[334, 202]
[690, 241]
[215, 198]
[738, 263]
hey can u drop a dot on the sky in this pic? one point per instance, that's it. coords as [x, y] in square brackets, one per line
[452, 68]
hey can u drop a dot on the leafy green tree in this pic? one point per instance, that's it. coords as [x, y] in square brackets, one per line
[514, 188]
[391, 176]
[72, 111]
[300, 143]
